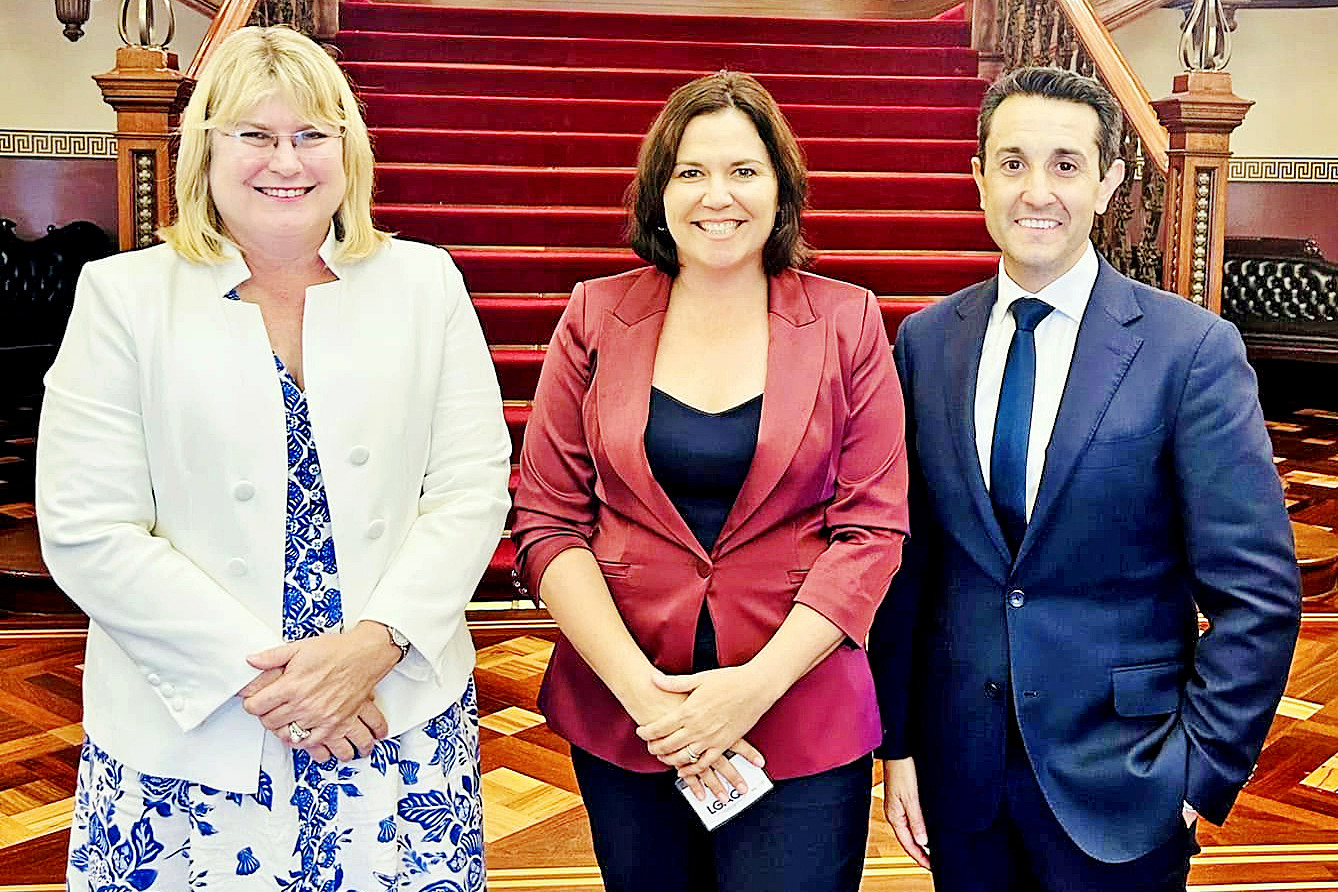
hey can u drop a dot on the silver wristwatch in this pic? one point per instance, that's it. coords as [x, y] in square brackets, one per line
[400, 640]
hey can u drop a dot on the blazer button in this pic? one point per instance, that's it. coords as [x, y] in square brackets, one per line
[993, 690]
[243, 490]
[167, 689]
[153, 679]
[1016, 598]
[237, 567]
[178, 704]
[358, 455]
[703, 569]
[376, 529]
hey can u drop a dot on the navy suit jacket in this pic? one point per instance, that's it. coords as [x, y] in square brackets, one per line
[1158, 496]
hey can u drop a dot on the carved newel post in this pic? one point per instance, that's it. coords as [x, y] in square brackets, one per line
[148, 92]
[1199, 116]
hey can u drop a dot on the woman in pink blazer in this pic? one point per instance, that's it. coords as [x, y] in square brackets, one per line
[712, 502]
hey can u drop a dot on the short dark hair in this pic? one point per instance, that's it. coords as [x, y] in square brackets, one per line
[646, 229]
[1058, 83]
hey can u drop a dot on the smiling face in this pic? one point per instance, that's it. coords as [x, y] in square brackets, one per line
[1041, 187]
[720, 202]
[270, 198]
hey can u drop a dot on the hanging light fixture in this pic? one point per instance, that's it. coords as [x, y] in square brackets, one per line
[72, 14]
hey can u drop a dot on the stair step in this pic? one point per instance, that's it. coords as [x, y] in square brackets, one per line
[911, 274]
[519, 320]
[571, 149]
[424, 18]
[634, 116]
[651, 84]
[687, 55]
[511, 319]
[588, 227]
[517, 371]
[604, 187]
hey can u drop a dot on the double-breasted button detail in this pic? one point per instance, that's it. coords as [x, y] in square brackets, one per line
[358, 455]
[243, 490]
[376, 529]
[993, 690]
[1017, 597]
[237, 567]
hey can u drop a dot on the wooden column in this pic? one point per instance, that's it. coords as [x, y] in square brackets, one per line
[148, 93]
[1200, 116]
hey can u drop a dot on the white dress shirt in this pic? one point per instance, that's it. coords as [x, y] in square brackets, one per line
[1056, 336]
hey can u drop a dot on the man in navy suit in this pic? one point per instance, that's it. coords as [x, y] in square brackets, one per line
[1089, 465]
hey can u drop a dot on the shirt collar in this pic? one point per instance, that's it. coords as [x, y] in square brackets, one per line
[233, 271]
[1068, 294]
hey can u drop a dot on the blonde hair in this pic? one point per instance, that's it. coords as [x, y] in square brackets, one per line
[250, 66]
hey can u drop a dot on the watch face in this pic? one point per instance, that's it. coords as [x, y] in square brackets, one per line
[400, 639]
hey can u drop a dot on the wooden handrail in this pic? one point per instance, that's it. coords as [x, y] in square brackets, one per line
[232, 14]
[1119, 77]
[1114, 13]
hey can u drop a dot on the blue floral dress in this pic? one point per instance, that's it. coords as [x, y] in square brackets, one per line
[405, 817]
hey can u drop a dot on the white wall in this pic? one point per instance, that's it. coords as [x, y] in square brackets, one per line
[1283, 59]
[47, 81]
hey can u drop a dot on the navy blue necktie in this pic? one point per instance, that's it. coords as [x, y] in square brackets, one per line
[1012, 424]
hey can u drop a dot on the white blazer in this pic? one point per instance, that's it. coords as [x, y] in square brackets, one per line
[162, 485]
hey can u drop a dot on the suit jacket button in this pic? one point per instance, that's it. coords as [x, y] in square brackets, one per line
[1016, 598]
[993, 690]
[358, 455]
[243, 490]
[703, 569]
[237, 567]
[376, 529]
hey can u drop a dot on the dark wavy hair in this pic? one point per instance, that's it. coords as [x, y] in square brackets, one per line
[1057, 83]
[646, 229]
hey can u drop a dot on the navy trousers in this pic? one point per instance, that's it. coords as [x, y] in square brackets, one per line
[1026, 849]
[806, 835]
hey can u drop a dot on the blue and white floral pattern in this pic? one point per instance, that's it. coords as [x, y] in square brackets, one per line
[406, 817]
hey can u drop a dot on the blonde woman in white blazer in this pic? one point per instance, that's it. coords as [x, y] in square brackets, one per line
[272, 467]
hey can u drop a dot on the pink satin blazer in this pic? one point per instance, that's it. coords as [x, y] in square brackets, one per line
[819, 520]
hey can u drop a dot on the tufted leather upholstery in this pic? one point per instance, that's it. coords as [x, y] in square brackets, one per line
[1283, 295]
[37, 281]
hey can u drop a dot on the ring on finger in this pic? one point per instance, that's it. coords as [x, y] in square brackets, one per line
[296, 733]
[692, 757]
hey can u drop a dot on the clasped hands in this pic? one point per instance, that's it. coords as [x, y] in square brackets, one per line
[698, 718]
[324, 685]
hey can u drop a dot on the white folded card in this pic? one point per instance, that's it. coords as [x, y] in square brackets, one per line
[712, 811]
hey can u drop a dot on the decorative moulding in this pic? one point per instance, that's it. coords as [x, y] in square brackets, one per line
[1284, 170]
[56, 144]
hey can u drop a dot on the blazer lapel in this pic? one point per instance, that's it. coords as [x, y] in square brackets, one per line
[1101, 358]
[961, 349]
[626, 363]
[795, 358]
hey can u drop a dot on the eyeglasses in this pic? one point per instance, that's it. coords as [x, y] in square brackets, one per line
[306, 142]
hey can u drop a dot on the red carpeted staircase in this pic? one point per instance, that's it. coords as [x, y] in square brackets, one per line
[508, 136]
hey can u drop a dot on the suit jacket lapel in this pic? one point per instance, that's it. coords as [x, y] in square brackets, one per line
[626, 363]
[962, 362]
[1101, 358]
[795, 358]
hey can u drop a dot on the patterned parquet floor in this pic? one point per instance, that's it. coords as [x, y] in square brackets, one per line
[1283, 834]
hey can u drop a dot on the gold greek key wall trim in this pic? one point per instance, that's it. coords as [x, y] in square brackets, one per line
[56, 144]
[1284, 170]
